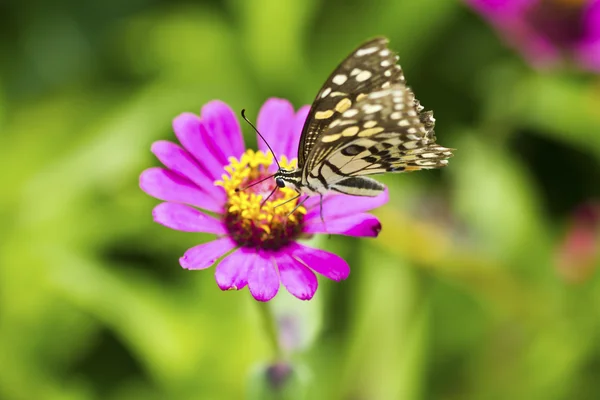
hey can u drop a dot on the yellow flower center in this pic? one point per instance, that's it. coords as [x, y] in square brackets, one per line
[252, 221]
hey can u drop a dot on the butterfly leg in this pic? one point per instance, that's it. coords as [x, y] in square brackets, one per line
[321, 208]
[297, 205]
[321, 212]
[287, 201]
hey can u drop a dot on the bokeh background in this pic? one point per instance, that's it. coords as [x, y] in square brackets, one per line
[482, 284]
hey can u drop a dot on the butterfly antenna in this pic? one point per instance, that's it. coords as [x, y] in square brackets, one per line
[254, 183]
[261, 136]
[262, 203]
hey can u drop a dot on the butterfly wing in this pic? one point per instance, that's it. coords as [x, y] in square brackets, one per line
[366, 69]
[384, 132]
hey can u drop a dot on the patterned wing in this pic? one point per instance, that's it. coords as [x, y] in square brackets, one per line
[385, 132]
[368, 68]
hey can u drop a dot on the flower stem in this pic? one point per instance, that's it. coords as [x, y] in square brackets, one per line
[270, 327]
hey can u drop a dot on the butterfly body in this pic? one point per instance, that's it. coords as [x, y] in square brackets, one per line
[364, 121]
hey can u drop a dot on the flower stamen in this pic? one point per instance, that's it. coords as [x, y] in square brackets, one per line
[253, 219]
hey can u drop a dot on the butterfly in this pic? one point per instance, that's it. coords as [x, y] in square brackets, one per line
[363, 121]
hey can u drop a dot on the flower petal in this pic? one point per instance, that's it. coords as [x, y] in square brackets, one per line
[588, 54]
[223, 127]
[263, 280]
[341, 205]
[168, 186]
[179, 160]
[185, 218]
[275, 120]
[327, 264]
[232, 272]
[296, 277]
[592, 20]
[363, 224]
[204, 255]
[504, 9]
[294, 138]
[193, 136]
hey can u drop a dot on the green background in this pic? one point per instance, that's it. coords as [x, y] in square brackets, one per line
[460, 296]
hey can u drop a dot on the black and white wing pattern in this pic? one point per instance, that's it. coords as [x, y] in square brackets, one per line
[370, 67]
[386, 131]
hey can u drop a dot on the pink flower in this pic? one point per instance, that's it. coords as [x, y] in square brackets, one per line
[546, 31]
[257, 246]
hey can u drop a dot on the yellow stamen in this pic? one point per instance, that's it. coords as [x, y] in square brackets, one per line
[273, 222]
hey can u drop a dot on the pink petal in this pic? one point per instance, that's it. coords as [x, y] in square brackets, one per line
[297, 278]
[363, 225]
[223, 127]
[588, 55]
[294, 139]
[179, 160]
[204, 255]
[509, 17]
[275, 121]
[185, 218]
[504, 9]
[193, 136]
[168, 186]
[341, 205]
[263, 280]
[232, 272]
[592, 21]
[327, 264]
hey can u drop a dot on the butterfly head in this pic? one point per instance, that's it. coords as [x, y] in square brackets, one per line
[290, 178]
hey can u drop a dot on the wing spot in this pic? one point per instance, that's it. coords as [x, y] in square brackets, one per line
[325, 93]
[355, 71]
[370, 124]
[352, 150]
[378, 95]
[429, 155]
[335, 123]
[350, 113]
[361, 96]
[386, 85]
[372, 108]
[399, 106]
[336, 94]
[384, 53]
[411, 130]
[331, 138]
[370, 132]
[368, 50]
[396, 115]
[343, 105]
[410, 145]
[323, 114]
[386, 63]
[350, 131]
[404, 122]
[363, 76]
[339, 79]
[387, 73]
[412, 113]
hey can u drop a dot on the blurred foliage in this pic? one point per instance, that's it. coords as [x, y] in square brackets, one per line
[459, 298]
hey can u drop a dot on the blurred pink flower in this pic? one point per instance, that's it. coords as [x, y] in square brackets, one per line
[257, 244]
[547, 31]
[579, 252]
